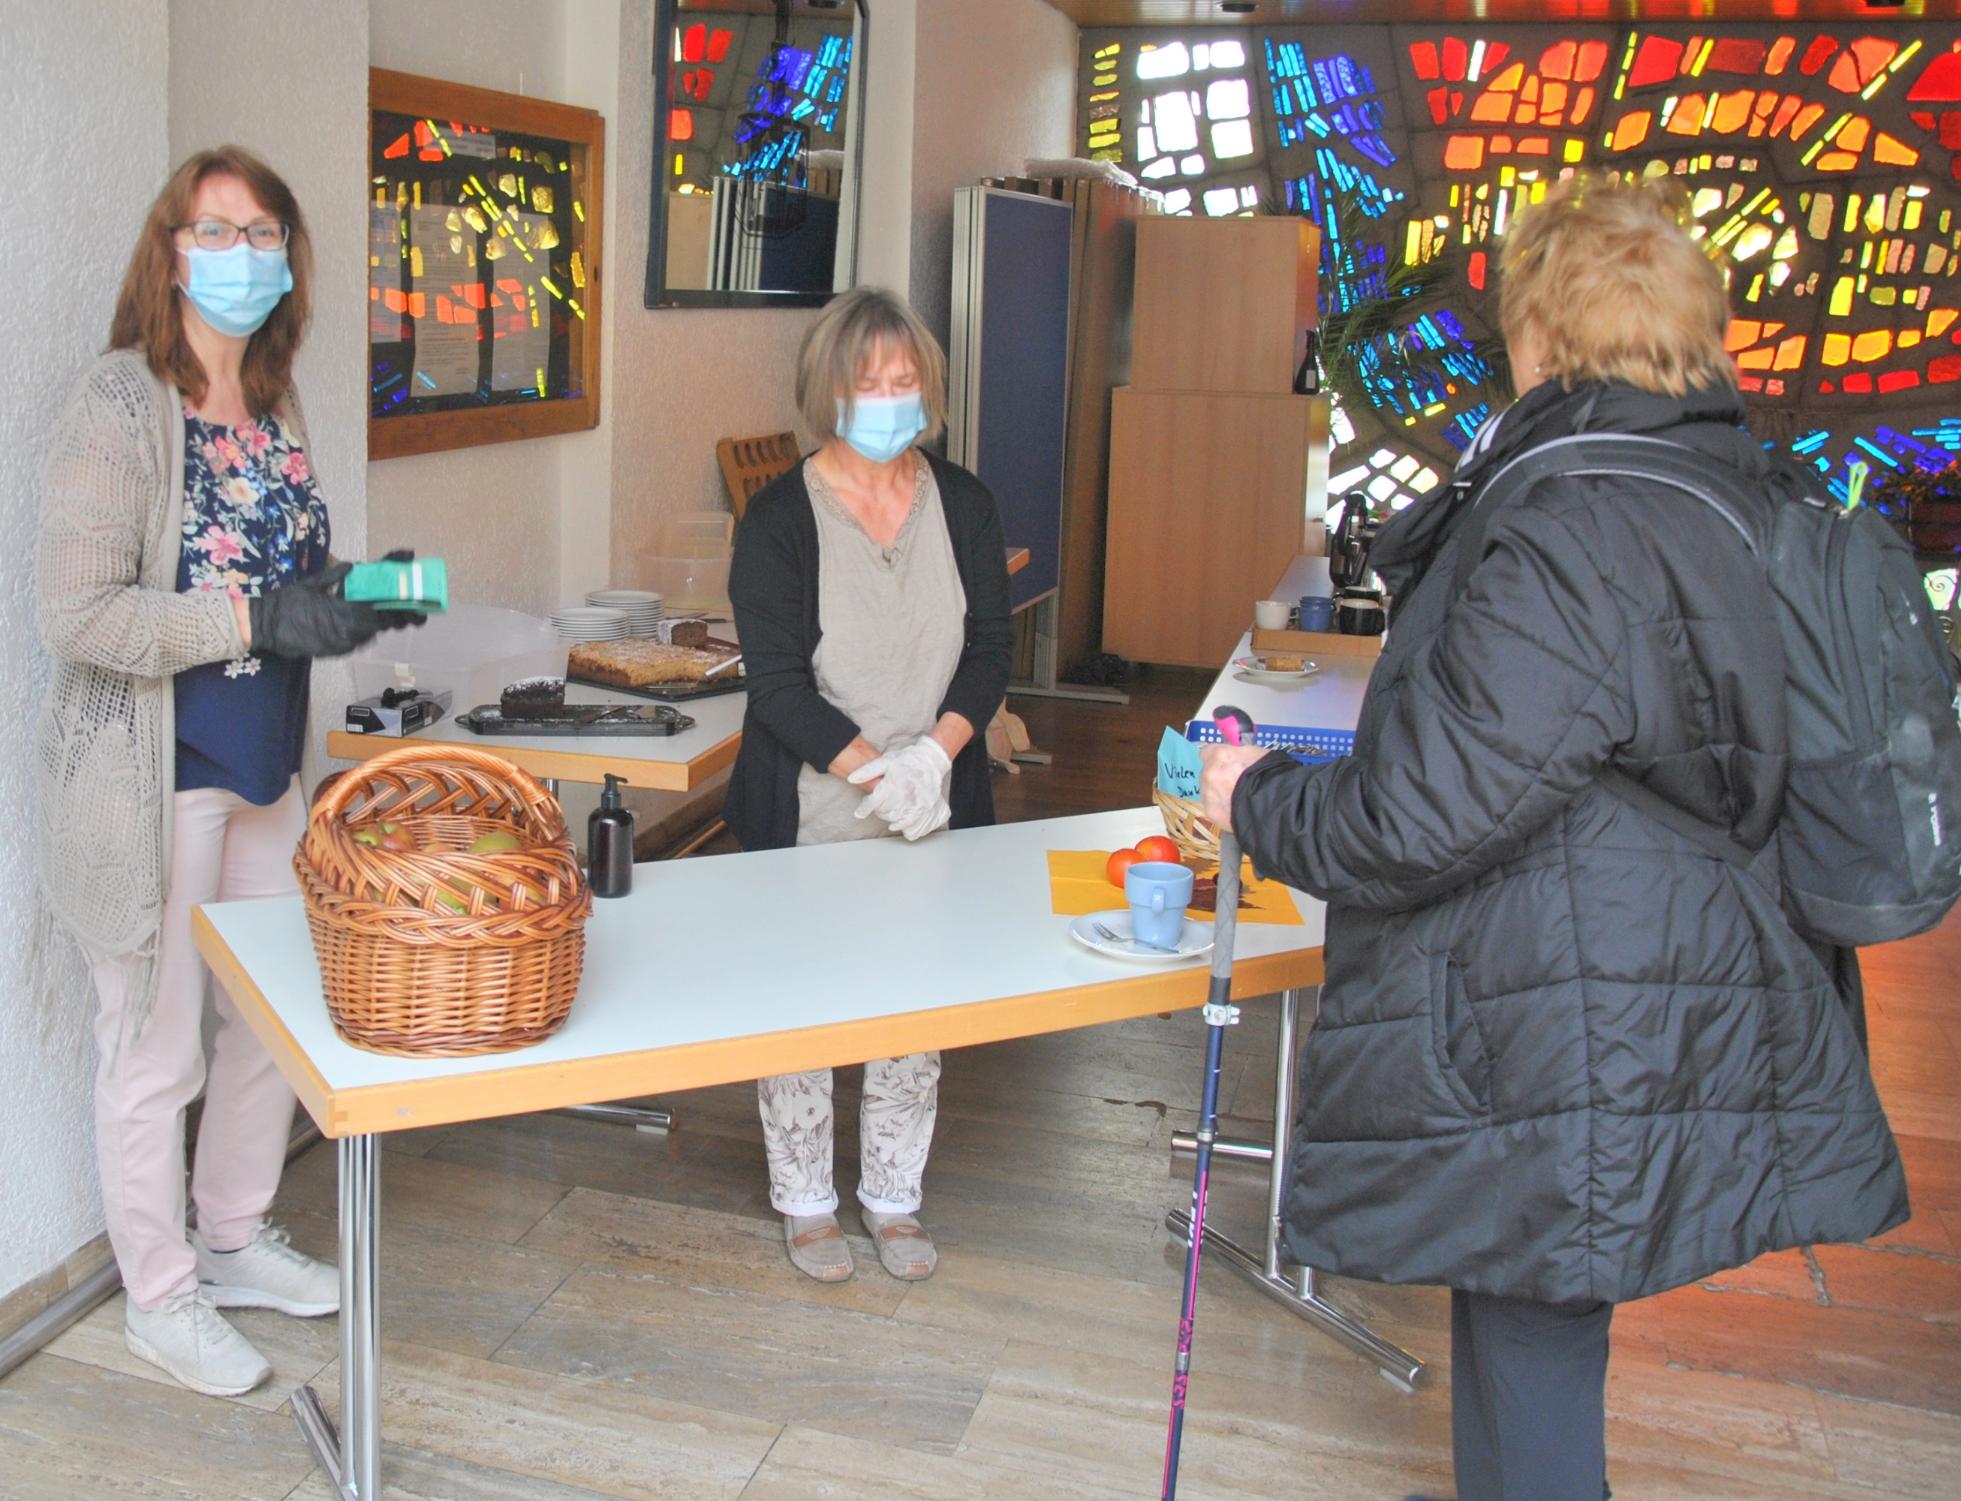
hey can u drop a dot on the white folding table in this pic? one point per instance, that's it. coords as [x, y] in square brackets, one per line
[775, 974]
[660, 763]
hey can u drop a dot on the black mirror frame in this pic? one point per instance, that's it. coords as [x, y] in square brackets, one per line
[657, 294]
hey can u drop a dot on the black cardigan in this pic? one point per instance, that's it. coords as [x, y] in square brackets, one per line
[773, 586]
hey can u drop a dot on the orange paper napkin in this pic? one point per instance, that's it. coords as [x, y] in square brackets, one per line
[1078, 887]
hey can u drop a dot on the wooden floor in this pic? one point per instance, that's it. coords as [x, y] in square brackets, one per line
[573, 1310]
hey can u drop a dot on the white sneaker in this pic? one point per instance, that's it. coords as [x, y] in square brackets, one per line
[268, 1273]
[191, 1340]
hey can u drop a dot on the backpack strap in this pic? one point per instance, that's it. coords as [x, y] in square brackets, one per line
[1624, 456]
[1620, 456]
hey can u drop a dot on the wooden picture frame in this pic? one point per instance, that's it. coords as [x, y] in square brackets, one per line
[465, 122]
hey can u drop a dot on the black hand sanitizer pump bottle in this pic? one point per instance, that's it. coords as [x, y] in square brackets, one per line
[609, 842]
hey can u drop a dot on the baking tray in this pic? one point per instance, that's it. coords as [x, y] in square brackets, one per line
[673, 693]
[601, 720]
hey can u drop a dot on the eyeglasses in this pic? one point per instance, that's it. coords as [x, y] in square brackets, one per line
[222, 234]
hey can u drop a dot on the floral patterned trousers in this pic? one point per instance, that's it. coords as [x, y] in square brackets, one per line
[895, 1131]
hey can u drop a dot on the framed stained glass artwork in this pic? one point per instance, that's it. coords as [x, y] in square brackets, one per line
[484, 228]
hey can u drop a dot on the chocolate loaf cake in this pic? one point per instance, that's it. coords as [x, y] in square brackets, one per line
[525, 698]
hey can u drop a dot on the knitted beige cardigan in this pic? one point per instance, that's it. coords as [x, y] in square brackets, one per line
[112, 506]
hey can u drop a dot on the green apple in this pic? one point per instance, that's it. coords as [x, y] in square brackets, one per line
[496, 842]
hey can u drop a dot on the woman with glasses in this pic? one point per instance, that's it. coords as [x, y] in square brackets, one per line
[184, 587]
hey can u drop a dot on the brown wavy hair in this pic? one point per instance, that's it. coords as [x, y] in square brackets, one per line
[149, 316]
[1607, 274]
[842, 342]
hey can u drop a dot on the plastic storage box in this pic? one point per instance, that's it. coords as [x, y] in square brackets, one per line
[473, 651]
[686, 585]
[688, 565]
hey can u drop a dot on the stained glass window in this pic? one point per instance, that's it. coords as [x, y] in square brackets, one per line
[1824, 162]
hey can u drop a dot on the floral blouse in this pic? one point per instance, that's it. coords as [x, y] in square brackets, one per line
[253, 520]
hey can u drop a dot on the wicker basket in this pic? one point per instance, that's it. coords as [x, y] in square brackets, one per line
[1196, 839]
[442, 953]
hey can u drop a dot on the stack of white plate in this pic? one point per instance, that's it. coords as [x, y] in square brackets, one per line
[642, 607]
[589, 623]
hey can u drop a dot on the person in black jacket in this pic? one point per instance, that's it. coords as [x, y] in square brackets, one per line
[870, 588]
[1565, 1057]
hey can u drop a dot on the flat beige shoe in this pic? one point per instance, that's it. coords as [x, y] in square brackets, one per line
[817, 1246]
[905, 1249]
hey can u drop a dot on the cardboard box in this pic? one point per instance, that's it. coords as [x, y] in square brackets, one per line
[404, 716]
[1317, 643]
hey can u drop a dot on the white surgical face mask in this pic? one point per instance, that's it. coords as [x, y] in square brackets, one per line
[883, 427]
[236, 290]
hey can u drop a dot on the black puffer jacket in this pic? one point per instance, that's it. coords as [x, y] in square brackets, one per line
[1562, 1053]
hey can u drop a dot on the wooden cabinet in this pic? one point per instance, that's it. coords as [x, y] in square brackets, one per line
[1223, 304]
[1215, 466]
[1208, 499]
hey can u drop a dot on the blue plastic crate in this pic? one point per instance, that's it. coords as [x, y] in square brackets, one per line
[1308, 746]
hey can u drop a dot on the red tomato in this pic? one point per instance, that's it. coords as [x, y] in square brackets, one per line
[1157, 847]
[1119, 863]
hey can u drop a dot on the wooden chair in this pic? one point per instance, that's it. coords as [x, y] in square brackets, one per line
[750, 463]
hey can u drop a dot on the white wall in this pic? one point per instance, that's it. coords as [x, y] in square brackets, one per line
[491, 512]
[84, 110]
[885, 197]
[993, 85]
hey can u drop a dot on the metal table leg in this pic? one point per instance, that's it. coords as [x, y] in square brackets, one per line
[1184, 1143]
[1267, 1272]
[640, 1117]
[351, 1453]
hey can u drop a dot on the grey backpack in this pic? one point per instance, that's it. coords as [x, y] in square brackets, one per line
[1871, 825]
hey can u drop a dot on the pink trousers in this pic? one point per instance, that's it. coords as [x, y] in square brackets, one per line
[222, 848]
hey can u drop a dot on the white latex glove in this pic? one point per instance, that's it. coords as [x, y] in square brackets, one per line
[911, 790]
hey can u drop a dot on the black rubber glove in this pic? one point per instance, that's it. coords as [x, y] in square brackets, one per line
[308, 618]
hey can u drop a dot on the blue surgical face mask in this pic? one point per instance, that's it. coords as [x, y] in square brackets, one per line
[883, 427]
[236, 290]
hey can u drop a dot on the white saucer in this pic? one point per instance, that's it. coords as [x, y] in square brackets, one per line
[1193, 940]
[1253, 669]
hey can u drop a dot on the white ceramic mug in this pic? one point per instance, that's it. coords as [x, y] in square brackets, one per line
[1271, 614]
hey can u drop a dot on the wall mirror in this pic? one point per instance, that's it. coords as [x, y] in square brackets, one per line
[758, 116]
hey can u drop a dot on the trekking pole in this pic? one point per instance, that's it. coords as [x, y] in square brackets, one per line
[1236, 728]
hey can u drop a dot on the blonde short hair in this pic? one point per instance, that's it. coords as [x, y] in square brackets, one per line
[846, 337]
[1605, 279]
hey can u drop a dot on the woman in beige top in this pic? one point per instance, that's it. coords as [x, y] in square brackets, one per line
[183, 586]
[871, 593]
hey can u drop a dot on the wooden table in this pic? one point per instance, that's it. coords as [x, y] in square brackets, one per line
[675, 763]
[764, 979]
[659, 763]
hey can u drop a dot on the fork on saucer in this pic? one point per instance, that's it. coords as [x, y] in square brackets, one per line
[1109, 937]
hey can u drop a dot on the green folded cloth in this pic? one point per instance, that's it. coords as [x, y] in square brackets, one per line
[421, 584]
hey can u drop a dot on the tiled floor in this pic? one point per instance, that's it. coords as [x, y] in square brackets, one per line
[575, 1311]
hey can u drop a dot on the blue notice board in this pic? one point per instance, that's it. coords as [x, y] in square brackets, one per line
[1011, 356]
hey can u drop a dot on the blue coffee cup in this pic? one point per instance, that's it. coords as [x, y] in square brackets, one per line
[1317, 612]
[1158, 892]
